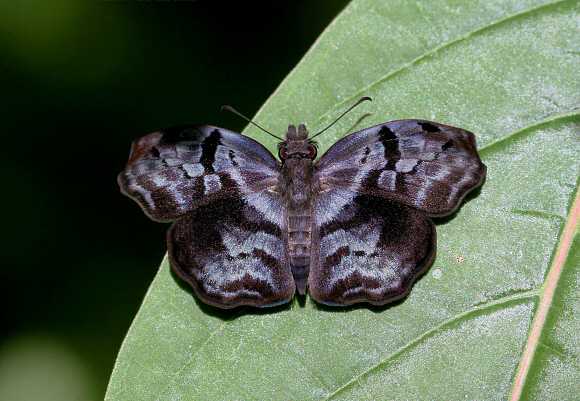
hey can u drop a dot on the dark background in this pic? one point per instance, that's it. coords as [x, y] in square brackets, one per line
[79, 82]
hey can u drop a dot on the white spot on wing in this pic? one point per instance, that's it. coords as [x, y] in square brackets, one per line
[211, 184]
[193, 170]
[159, 180]
[380, 270]
[387, 180]
[172, 162]
[222, 161]
[363, 238]
[269, 205]
[331, 203]
[240, 241]
[405, 165]
[146, 194]
[220, 273]
[422, 192]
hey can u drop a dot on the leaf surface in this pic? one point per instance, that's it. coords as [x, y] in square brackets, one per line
[507, 262]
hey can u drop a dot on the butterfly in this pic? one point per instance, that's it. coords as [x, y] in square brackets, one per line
[355, 226]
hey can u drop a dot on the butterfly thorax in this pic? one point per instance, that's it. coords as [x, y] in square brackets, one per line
[297, 155]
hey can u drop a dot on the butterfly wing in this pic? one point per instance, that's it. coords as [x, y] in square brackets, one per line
[373, 236]
[369, 248]
[233, 252]
[172, 172]
[425, 165]
[222, 190]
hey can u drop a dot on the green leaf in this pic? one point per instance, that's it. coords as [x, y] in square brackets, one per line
[501, 305]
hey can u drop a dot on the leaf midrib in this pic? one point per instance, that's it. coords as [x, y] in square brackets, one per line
[548, 291]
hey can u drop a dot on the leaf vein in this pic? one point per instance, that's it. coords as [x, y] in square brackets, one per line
[434, 329]
[197, 352]
[428, 53]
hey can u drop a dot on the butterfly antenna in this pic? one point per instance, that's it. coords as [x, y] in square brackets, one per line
[362, 99]
[228, 108]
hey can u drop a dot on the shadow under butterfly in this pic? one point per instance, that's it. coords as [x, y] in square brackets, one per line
[352, 227]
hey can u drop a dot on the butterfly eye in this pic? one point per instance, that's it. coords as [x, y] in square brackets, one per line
[312, 151]
[283, 153]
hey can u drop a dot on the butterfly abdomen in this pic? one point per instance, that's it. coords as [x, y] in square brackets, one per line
[299, 240]
[299, 218]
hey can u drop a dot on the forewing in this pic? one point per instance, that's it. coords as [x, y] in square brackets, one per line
[367, 248]
[171, 172]
[233, 253]
[423, 164]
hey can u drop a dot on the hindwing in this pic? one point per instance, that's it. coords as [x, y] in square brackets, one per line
[232, 253]
[370, 250]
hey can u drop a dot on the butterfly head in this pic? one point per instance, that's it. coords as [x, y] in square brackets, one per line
[297, 145]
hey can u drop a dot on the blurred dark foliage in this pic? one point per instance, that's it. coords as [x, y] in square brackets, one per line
[80, 81]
